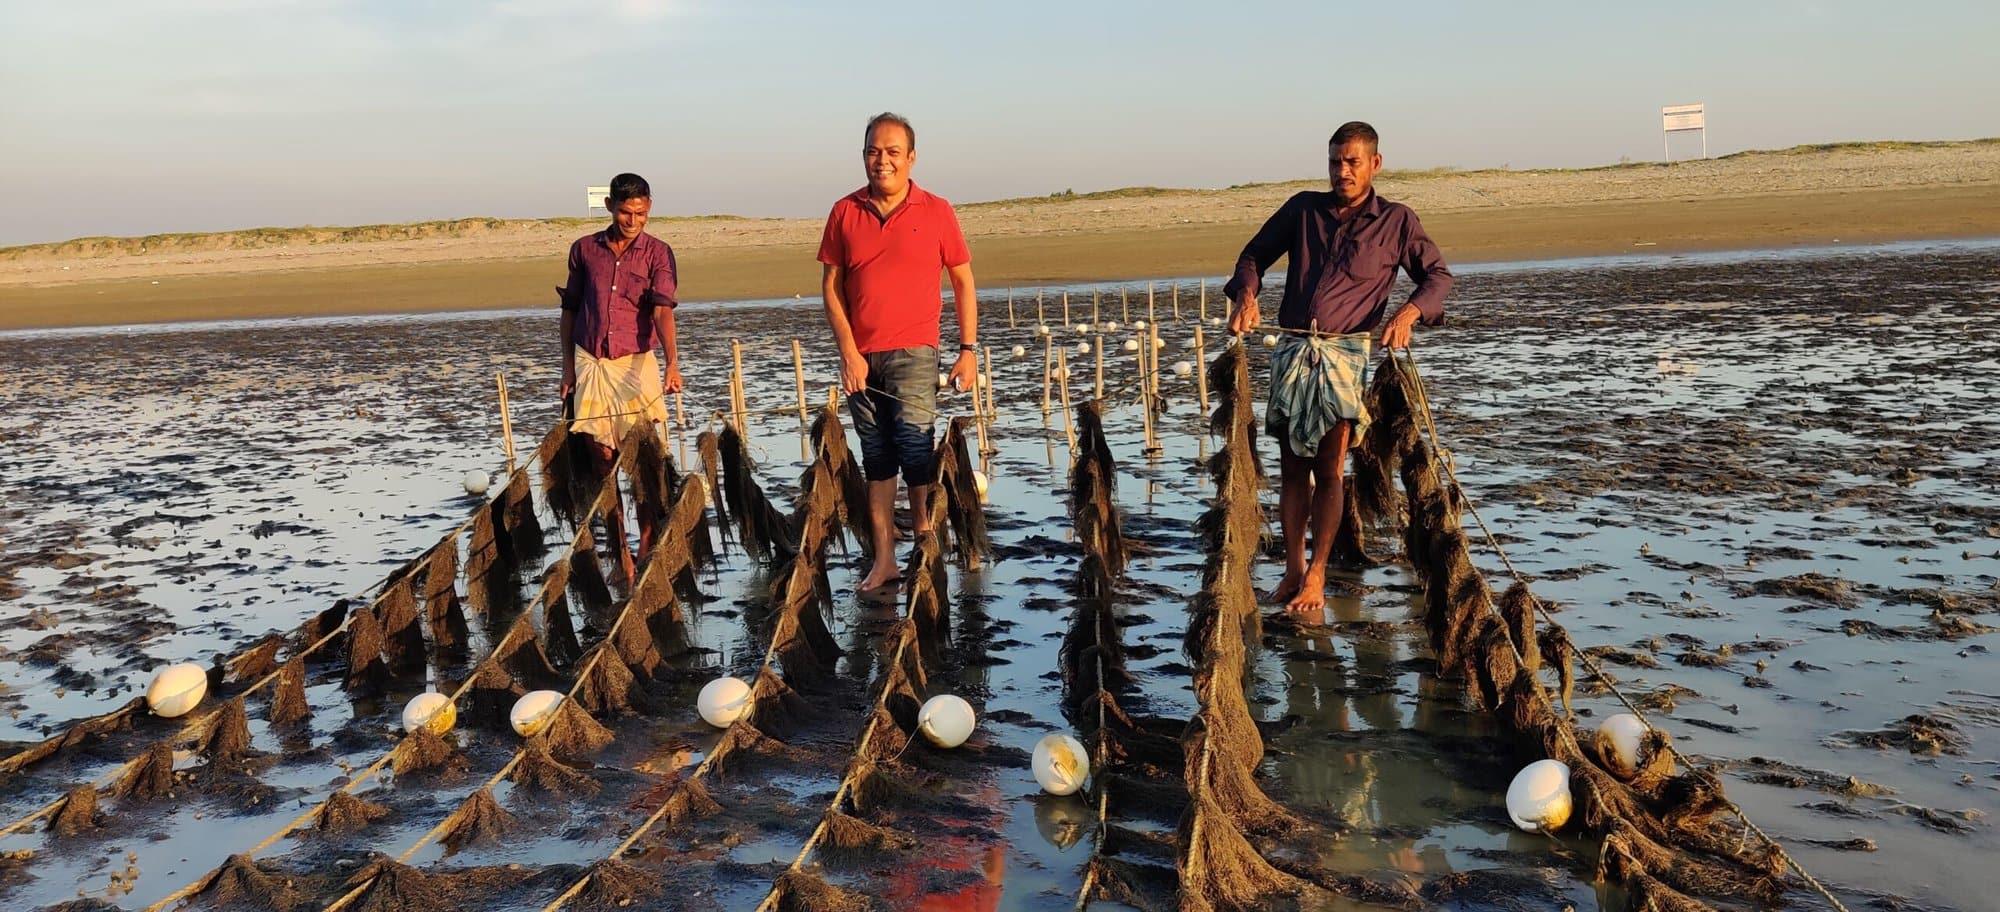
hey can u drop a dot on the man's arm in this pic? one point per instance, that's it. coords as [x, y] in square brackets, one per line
[664, 294]
[1424, 264]
[570, 296]
[853, 367]
[965, 299]
[1266, 246]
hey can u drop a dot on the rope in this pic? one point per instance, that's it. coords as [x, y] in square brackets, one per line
[1423, 402]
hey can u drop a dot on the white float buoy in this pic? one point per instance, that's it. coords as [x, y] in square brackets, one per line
[177, 690]
[723, 701]
[1062, 374]
[1060, 764]
[944, 380]
[979, 484]
[1083, 327]
[1138, 324]
[1619, 739]
[432, 710]
[1215, 321]
[1131, 345]
[533, 711]
[1020, 351]
[985, 380]
[1159, 342]
[1111, 327]
[1042, 329]
[1271, 341]
[476, 482]
[1183, 368]
[1538, 800]
[946, 720]
[1083, 348]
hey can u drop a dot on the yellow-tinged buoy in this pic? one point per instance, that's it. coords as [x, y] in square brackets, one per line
[476, 482]
[533, 711]
[979, 484]
[1619, 741]
[723, 701]
[1042, 329]
[1271, 341]
[1083, 348]
[1083, 327]
[177, 690]
[1020, 351]
[433, 710]
[1061, 764]
[946, 720]
[1111, 327]
[1138, 324]
[1183, 368]
[1131, 345]
[1538, 800]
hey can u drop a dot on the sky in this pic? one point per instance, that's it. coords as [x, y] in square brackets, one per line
[124, 117]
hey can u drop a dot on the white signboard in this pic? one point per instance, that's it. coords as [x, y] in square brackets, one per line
[593, 197]
[1685, 118]
[1675, 118]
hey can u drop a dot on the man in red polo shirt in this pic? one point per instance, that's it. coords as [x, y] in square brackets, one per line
[884, 247]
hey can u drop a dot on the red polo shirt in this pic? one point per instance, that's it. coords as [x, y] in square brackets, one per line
[891, 268]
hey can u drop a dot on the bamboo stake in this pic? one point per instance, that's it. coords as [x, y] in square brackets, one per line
[1177, 301]
[1010, 308]
[1040, 319]
[1100, 368]
[1062, 377]
[799, 376]
[1065, 310]
[1152, 314]
[1145, 406]
[1204, 310]
[1093, 308]
[506, 421]
[978, 410]
[736, 402]
[680, 428]
[1048, 372]
[1200, 369]
[1125, 304]
[992, 412]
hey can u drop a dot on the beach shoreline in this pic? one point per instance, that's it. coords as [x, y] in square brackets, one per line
[1845, 195]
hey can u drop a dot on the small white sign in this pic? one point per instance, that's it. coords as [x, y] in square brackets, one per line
[593, 197]
[1675, 118]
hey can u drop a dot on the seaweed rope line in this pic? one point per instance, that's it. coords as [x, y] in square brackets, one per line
[847, 779]
[582, 674]
[196, 729]
[1444, 458]
[700, 771]
[359, 779]
[367, 773]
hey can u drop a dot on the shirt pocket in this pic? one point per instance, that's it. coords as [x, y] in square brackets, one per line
[1369, 259]
[632, 282]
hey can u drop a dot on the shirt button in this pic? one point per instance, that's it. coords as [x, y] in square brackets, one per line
[614, 288]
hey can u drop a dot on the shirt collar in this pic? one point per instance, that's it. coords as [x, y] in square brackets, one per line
[604, 238]
[917, 195]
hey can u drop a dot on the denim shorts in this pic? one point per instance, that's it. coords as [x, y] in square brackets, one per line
[896, 429]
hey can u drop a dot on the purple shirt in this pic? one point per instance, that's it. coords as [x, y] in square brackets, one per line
[614, 295]
[1341, 272]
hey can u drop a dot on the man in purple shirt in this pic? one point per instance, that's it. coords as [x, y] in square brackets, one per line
[618, 304]
[1345, 245]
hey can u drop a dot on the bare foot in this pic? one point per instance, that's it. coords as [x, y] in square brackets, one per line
[1311, 596]
[1288, 586]
[878, 577]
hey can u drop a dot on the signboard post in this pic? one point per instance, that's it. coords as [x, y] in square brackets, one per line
[593, 198]
[1682, 119]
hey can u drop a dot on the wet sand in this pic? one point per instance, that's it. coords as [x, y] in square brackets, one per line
[1755, 201]
[1768, 503]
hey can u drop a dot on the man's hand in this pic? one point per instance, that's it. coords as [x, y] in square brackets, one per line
[673, 383]
[1397, 333]
[964, 372]
[568, 381]
[853, 372]
[1245, 317]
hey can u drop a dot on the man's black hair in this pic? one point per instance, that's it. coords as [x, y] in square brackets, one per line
[628, 186]
[892, 118]
[1353, 130]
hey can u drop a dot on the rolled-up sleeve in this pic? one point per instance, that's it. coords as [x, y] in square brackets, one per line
[570, 294]
[663, 289]
[1270, 242]
[1425, 266]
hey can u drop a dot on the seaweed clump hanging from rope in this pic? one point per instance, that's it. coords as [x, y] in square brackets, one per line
[1663, 836]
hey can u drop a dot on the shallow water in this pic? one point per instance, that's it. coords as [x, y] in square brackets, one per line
[1668, 446]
